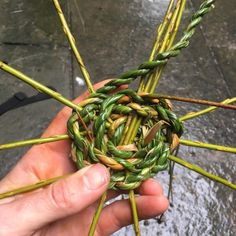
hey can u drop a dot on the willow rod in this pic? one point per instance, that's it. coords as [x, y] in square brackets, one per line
[65, 136]
[31, 187]
[182, 162]
[134, 212]
[38, 141]
[157, 42]
[71, 40]
[199, 170]
[135, 123]
[207, 145]
[193, 100]
[192, 115]
[23, 143]
[97, 214]
[38, 86]
[165, 45]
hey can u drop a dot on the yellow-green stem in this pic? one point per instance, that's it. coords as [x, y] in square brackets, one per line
[38, 86]
[31, 187]
[160, 30]
[199, 170]
[157, 42]
[182, 162]
[193, 100]
[97, 214]
[167, 43]
[71, 40]
[65, 137]
[207, 145]
[34, 141]
[153, 80]
[192, 115]
[151, 83]
[134, 212]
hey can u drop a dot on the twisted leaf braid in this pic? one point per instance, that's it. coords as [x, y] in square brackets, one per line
[162, 58]
[107, 116]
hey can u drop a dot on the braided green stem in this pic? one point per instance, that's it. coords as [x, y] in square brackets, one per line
[163, 57]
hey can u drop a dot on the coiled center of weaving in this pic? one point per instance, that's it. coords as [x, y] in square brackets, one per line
[107, 117]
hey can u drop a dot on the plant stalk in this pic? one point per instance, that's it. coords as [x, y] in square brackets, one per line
[207, 145]
[38, 86]
[34, 141]
[31, 187]
[192, 115]
[71, 40]
[196, 101]
[97, 214]
[199, 170]
[154, 78]
[61, 137]
[134, 212]
[182, 162]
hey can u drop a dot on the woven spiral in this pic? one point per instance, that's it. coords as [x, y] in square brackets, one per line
[107, 117]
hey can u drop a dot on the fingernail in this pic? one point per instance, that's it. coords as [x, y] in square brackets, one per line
[96, 176]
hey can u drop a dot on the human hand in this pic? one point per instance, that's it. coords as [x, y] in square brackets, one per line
[67, 206]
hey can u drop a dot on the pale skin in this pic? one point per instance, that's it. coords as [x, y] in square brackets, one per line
[67, 206]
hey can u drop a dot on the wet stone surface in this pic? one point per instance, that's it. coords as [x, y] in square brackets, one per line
[113, 37]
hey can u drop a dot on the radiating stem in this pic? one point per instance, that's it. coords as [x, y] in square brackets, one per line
[182, 162]
[191, 115]
[207, 145]
[34, 141]
[38, 86]
[199, 170]
[134, 212]
[65, 137]
[97, 214]
[192, 100]
[31, 187]
[71, 40]
[153, 80]
[161, 29]
[157, 42]
[166, 45]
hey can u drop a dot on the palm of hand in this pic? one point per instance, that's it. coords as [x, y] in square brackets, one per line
[63, 208]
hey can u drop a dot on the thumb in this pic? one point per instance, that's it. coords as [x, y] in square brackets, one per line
[63, 198]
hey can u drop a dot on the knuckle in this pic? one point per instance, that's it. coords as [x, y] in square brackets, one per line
[60, 195]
